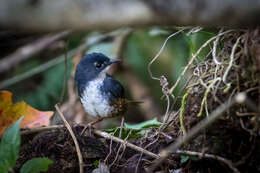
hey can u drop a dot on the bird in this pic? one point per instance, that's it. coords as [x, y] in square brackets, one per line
[101, 95]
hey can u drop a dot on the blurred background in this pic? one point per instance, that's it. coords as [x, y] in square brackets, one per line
[47, 77]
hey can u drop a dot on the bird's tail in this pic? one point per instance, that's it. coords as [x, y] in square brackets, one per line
[135, 103]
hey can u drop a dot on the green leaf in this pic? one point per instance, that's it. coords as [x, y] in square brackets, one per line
[134, 131]
[150, 123]
[36, 165]
[125, 132]
[9, 147]
[184, 158]
[96, 163]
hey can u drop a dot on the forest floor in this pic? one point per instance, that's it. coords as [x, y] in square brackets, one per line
[229, 144]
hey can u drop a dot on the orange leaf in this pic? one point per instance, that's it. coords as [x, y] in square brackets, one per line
[35, 118]
[9, 113]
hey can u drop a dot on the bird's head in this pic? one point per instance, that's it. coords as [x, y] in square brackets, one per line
[92, 66]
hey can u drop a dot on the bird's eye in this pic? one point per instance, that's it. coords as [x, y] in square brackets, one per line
[98, 65]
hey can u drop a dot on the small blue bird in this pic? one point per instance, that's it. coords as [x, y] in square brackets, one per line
[100, 94]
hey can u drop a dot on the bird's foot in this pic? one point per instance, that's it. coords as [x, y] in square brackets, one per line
[90, 127]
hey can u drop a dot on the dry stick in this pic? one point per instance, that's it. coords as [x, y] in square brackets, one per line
[209, 156]
[117, 154]
[214, 50]
[30, 50]
[239, 98]
[193, 58]
[160, 51]
[132, 146]
[230, 62]
[73, 137]
[139, 160]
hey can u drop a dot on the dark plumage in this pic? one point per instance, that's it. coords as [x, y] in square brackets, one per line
[112, 88]
[100, 94]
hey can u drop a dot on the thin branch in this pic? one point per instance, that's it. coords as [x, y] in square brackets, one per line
[214, 50]
[73, 137]
[132, 146]
[158, 54]
[209, 156]
[230, 62]
[30, 50]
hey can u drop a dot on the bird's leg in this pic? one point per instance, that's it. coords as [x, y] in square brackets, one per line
[121, 126]
[90, 125]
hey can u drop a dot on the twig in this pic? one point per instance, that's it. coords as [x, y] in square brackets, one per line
[214, 51]
[166, 115]
[193, 58]
[209, 156]
[30, 50]
[239, 98]
[230, 62]
[249, 153]
[73, 137]
[204, 100]
[132, 146]
[137, 165]
[110, 151]
[183, 104]
[158, 54]
[117, 154]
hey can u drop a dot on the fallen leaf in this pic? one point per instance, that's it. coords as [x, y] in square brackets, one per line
[34, 118]
[10, 112]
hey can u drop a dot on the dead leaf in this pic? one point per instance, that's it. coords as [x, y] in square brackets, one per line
[10, 112]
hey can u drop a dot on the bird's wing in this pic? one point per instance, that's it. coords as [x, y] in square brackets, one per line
[113, 88]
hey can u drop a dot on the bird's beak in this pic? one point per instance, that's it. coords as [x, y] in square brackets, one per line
[114, 60]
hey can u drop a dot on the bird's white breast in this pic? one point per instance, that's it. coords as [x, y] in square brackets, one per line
[92, 100]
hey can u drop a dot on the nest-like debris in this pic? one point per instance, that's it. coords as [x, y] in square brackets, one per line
[233, 67]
